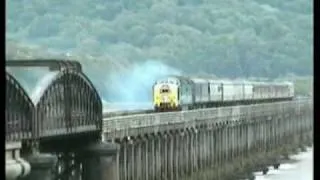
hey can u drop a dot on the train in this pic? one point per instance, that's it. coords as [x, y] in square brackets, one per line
[176, 93]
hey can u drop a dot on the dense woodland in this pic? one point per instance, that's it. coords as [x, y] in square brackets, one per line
[227, 38]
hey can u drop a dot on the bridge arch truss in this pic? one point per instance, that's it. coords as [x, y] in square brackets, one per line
[67, 104]
[18, 111]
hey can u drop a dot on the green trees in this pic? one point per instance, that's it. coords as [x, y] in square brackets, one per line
[223, 37]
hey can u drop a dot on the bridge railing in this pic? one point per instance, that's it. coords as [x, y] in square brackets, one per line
[115, 127]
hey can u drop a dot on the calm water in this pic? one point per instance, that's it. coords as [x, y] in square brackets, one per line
[302, 169]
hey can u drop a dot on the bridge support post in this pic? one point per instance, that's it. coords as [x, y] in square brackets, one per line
[15, 166]
[42, 166]
[100, 161]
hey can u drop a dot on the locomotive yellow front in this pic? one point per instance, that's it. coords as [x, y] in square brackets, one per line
[165, 96]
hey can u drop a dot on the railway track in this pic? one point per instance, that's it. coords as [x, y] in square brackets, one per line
[126, 113]
[122, 109]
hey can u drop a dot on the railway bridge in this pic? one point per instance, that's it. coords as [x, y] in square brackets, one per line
[56, 129]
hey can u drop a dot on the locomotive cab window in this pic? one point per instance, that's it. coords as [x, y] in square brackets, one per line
[164, 90]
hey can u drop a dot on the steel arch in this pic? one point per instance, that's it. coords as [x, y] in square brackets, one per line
[52, 64]
[19, 111]
[67, 104]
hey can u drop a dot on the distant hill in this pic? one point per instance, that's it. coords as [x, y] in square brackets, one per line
[227, 38]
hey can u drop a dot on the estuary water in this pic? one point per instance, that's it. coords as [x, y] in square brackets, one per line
[300, 169]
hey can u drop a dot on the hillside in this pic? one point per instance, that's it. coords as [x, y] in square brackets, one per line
[245, 38]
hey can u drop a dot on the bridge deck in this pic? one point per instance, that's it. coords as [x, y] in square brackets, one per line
[121, 126]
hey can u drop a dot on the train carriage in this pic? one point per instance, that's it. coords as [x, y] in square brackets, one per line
[248, 91]
[238, 88]
[228, 91]
[200, 90]
[215, 91]
[291, 89]
[280, 90]
[258, 91]
[185, 92]
[264, 90]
